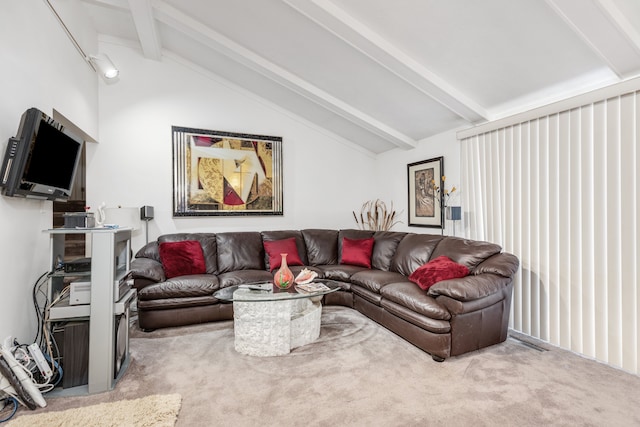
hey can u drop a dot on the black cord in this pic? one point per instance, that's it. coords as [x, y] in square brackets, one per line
[39, 312]
[56, 356]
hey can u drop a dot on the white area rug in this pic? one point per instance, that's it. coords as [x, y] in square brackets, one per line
[151, 411]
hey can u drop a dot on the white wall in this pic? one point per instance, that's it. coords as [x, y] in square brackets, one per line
[392, 180]
[325, 179]
[40, 68]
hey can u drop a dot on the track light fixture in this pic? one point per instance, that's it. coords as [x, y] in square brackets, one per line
[99, 63]
[103, 65]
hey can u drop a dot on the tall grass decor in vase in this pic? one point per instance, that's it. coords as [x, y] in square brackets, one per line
[374, 215]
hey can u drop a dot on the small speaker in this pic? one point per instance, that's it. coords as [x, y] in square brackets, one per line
[146, 213]
[121, 346]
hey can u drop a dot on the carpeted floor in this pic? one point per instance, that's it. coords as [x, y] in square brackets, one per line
[360, 374]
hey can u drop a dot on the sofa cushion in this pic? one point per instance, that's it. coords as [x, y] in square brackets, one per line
[430, 324]
[352, 233]
[413, 251]
[469, 253]
[357, 251]
[322, 246]
[271, 235]
[374, 280]
[366, 294]
[182, 258]
[384, 248]
[275, 248]
[409, 295]
[196, 285]
[240, 277]
[437, 270]
[339, 272]
[145, 306]
[207, 243]
[240, 251]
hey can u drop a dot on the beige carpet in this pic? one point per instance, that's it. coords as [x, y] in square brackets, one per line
[150, 411]
[360, 374]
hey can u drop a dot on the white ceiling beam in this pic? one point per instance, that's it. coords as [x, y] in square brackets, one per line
[145, 23]
[169, 15]
[112, 4]
[621, 21]
[602, 27]
[334, 19]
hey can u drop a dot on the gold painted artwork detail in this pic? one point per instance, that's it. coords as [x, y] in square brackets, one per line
[231, 174]
[223, 173]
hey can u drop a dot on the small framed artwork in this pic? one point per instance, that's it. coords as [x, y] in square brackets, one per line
[226, 174]
[424, 202]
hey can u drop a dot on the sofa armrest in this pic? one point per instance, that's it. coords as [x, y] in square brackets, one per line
[503, 264]
[471, 287]
[146, 268]
[151, 250]
[481, 322]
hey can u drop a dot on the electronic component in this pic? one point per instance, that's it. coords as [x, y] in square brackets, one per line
[79, 293]
[78, 265]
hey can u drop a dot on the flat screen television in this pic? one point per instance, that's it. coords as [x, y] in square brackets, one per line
[41, 160]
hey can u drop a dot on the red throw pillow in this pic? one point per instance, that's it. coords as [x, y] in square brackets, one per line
[437, 270]
[182, 258]
[275, 249]
[357, 251]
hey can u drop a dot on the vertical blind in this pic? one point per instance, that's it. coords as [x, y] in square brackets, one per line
[558, 187]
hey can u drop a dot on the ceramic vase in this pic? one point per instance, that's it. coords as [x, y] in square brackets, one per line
[283, 278]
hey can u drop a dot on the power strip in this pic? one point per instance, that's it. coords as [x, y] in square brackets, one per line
[25, 380]
[38, 357]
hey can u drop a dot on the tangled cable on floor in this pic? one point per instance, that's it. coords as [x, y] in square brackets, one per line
[8, 408]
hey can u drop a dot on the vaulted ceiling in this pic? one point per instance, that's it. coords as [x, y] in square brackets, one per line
[387, 73]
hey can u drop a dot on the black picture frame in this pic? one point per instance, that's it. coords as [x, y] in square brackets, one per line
[424, 179]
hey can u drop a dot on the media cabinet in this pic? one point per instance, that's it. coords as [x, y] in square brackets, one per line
[108, 309]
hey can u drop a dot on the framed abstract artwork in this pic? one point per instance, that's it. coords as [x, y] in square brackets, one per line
[424, 206]
[226, 174]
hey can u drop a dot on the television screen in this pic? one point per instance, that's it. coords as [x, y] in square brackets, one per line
[41, 161]
[53, 158]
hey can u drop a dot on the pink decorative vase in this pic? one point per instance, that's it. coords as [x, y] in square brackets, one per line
[283, 278]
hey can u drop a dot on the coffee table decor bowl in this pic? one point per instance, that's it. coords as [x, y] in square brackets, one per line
[305, 276]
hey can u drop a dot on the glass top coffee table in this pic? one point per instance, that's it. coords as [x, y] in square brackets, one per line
[268, 321]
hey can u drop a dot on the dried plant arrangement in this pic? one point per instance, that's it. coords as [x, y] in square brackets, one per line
[374, 215]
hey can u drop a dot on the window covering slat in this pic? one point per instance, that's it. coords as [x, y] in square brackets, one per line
[561, 192]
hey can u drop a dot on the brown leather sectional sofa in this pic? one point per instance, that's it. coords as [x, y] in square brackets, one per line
[451, 318]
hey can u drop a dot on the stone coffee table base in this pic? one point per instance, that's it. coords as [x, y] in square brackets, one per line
[274, 328]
